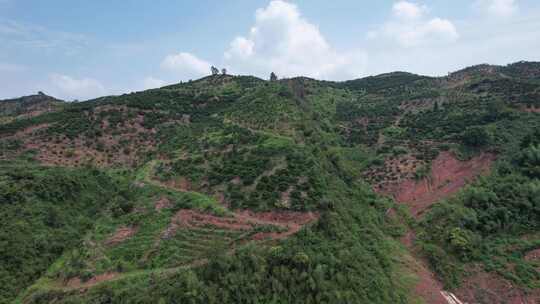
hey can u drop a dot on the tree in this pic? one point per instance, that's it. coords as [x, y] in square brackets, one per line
[461, 240]
[273, 77]
[224, 71]
[531, 139]
[215, 70]
[475, 137]
[529, 160]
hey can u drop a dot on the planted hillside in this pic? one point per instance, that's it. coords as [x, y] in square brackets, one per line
[397, 188]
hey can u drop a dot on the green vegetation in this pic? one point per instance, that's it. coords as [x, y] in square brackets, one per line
[488, 221]
[94, 194]
[45, 212]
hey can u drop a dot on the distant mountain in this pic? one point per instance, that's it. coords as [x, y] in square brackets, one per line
[395, 188]
[28, 106]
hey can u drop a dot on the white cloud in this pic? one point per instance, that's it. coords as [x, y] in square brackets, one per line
[241, 47]
[498, 8]
[152, 83]
[67, 87]
[410, 26]
[408, 10]
[480, 40]
[186, 65]
[283, 41]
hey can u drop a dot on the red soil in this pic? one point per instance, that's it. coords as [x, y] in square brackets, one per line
[428, 288]
[162, 203]
[181, 183]
[290, 222]
[122, 144]
[533, 255]
[489, 288]
[408, 239]
[448, 175]
[530, 110]
[31, 130]
[121, 234]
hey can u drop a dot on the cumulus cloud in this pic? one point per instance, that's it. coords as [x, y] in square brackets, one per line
[68, 87]
[152, 83]
[283, 41]
[408, 10]
[186, 65]
[498, 8]
[410, 26]
[478, 40]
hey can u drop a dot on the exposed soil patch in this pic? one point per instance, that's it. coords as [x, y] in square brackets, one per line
[121, 139]
[489, 288]
[533, 255]
[162, 203]
[290, 222]
[530, 109]
[428, 287]
[394, 170]
[181, 183]
[121, 234]
[191, 218]
[102, 151]
[31, 130]
[448, 175]
[408, 239]
[286, 223]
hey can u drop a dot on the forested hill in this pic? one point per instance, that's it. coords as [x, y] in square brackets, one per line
[396, 188]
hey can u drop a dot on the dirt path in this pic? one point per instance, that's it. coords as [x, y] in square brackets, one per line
[428, 287]
[76, 283]
[121, 234]
[289, 222]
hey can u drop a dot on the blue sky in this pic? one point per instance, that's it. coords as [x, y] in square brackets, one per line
[84, 49]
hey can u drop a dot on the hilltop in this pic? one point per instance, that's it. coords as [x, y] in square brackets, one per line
[28, 106]
[394, 188]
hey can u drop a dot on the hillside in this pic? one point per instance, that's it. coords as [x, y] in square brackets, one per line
[27, 107]
[396, 188]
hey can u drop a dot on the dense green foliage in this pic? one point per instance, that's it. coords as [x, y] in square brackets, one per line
[45, 211]
[342, 259]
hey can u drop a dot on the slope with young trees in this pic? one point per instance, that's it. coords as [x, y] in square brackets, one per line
[235, 189]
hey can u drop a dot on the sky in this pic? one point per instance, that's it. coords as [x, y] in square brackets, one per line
[78, 50]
